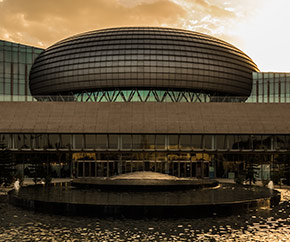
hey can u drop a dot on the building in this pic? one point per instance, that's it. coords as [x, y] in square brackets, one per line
[15, 63]
[269, 87]
[115, 62]
[131, 99]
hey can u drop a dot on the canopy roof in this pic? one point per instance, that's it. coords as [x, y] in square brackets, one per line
[142, 118]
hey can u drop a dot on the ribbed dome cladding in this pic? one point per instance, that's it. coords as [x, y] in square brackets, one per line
[126, 58]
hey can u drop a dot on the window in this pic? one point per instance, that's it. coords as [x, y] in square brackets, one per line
[65, 141]
[185, 142]
[149, 141]
[197, 141]
[90, 141]
[221, 142]
[126, 141]
[280, 142]
[4, 139]
[160, 142]
[113, 141]
[53, 141]
[101, 141]
[78, 141]
[8, 57]
[244, 142]
[207, 142]
[231, 142]
[173, 142]
[22, 141]
[137, 142]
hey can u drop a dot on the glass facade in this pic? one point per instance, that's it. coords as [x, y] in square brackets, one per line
[270, 87]
[147, 142]
[104, 155]
[15, 63]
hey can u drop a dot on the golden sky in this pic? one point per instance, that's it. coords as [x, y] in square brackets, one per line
[258, 27]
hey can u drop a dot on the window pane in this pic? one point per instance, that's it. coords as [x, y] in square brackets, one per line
[185, 142]
[245, 142]
[113, 141]
[280, 142]
[160, 141]
[101, 141]
[173, 141]
[78, 141]
[149, 142]
[196, 141]
[93, 169]
[66, 141]
[231, 142]
[53, 141]
[90, 141]
[266, 141]
[80, 169]
[4, 139]
[44, 138]
[23, 141]
[221, 142]
[207, 141]
[126, 141]
[137, 142]
[87, 169]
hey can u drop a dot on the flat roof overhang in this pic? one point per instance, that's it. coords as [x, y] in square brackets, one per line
[145, 118]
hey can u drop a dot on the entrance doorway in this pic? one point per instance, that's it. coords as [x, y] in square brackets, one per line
[108, 168]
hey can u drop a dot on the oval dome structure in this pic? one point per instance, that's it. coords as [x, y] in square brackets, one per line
[144, 58]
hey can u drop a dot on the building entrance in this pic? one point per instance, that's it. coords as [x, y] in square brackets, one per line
[101, 168]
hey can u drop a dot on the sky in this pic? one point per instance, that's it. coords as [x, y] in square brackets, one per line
[260, 28]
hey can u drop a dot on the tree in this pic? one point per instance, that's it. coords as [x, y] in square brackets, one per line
[6, 166]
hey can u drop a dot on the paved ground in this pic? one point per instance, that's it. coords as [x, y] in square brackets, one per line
[262, 225]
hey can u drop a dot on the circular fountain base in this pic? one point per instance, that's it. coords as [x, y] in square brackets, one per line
[111, 199]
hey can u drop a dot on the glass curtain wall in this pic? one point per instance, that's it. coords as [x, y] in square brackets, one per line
[270, 87]
[15, 63]
[144, 142]
[104, 155]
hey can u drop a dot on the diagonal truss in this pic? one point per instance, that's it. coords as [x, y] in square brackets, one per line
[141, 95]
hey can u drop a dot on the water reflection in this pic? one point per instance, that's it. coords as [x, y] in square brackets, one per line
[262, 225]
[225, 193]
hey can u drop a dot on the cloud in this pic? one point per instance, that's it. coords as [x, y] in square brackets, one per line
[44, 22]
[244, 23]
[214, 9]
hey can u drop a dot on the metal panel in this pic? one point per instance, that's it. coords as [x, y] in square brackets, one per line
[194, 59]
